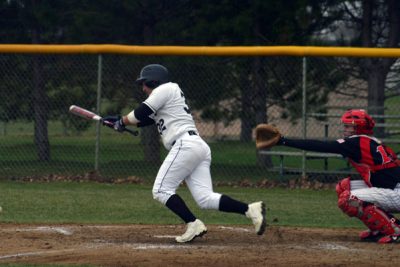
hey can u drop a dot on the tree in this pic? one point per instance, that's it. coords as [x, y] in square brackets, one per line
[370, 24]
[131, 22]
[37, 22]
[258, 23]
[261, 23]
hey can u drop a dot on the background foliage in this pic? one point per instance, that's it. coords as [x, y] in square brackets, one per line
[37, 89]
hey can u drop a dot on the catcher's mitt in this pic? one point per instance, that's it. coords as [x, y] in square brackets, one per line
[267, 136]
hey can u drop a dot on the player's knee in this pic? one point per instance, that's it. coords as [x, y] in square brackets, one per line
[208, 201]
[343, 185]
[161, 196]
[349, 204]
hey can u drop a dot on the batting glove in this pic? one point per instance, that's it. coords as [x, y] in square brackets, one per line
[119, 125]
[110, 121]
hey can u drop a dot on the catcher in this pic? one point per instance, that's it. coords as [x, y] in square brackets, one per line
[372, 199]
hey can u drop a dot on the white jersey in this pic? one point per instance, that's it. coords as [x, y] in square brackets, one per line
[171, 113]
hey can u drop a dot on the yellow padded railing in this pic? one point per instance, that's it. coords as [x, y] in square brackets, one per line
[201, 50]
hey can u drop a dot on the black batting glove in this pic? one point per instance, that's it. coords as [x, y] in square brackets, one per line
[119, 125]
[110, 121]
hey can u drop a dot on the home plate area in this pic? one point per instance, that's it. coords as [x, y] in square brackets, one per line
[154, 245]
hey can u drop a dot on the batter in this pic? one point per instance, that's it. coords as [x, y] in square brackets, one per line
[189, 156]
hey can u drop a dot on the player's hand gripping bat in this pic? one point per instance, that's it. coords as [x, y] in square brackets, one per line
[84, 113]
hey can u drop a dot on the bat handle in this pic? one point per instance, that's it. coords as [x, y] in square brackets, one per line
[110, 124]
[132, 132]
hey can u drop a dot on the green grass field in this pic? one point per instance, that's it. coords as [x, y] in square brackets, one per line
[90, 202]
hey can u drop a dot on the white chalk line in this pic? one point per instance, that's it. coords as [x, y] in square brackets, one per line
[48, 229]
[35, 253]
[327, 246]
[94, 246]
[236, 229]
[69, 231]
[333, 246]
[164, 236]
[154, 246]
[144, 246]
[229, 228]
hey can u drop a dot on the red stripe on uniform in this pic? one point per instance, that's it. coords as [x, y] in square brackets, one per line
[366, 156]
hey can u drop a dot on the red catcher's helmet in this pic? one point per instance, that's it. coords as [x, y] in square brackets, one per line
[361, 122]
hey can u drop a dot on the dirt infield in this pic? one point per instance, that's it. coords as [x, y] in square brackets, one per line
[153, 245]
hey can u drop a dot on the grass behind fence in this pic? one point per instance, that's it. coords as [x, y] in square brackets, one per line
[122, 156]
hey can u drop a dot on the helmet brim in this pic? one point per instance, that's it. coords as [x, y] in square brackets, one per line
[140, 81]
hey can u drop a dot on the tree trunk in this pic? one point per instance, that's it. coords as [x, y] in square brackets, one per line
[149, 135]
[260, 105]
[246, 116]
[378, 69]
[376, 97]
[40, 107]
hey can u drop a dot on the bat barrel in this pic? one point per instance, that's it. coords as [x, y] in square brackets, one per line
[84, 113]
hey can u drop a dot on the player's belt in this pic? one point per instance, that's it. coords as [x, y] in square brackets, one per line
[189, 132]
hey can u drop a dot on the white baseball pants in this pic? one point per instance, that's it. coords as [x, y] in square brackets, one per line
[387, 199]
[188, 160]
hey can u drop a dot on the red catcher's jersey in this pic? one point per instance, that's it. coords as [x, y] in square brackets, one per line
[376, 163]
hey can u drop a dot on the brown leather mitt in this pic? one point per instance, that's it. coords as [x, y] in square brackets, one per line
[267, 136]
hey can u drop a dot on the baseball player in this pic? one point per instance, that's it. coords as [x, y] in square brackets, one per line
[372, 199]
[189, 157]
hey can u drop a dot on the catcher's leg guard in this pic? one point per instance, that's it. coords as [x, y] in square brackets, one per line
[370, 236]
[350, 205]
[379, 222]
[343, 185]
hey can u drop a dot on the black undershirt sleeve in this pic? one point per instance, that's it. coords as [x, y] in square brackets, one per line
[313, 145]
[142, 113]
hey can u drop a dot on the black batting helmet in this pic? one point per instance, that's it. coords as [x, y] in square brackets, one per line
[153, 74]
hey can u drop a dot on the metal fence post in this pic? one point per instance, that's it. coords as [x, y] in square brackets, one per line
[304, 115]
[99, 80]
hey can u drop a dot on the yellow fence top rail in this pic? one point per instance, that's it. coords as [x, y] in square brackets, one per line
[201, 50]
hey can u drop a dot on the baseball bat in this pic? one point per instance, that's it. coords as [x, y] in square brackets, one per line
[86, 114]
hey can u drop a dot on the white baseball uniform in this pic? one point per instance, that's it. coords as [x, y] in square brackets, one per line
[189, 157]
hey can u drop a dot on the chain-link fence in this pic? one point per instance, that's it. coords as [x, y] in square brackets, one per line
[228, 97]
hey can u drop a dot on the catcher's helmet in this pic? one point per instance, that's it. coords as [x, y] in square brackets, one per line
[153, 75]
[358, 121]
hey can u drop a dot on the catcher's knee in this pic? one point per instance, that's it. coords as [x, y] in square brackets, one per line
[343, 185]
[349, 204]
[208, 201]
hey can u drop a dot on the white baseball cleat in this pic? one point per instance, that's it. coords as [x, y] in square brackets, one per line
[193, 230]
[256, 213]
